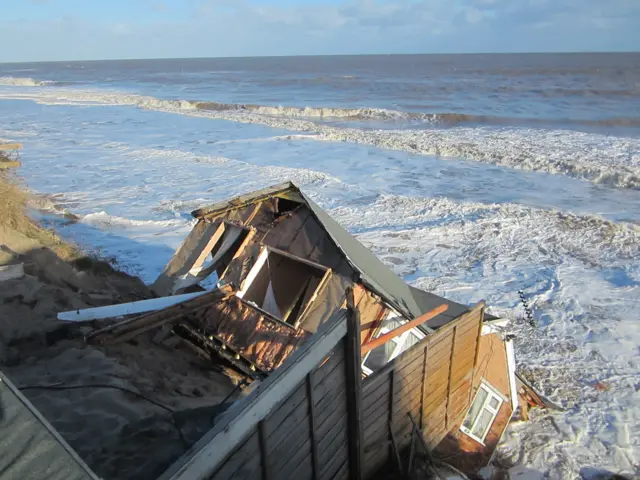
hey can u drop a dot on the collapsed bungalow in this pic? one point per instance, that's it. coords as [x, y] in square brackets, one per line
[290, 265]
[261, 274]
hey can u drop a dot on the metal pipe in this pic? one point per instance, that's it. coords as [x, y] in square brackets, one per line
[381, 340]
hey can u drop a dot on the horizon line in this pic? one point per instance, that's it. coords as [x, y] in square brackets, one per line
[594, 52]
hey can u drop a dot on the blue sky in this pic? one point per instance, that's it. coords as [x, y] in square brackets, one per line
[33, 30]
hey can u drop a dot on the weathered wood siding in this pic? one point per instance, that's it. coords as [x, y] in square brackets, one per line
[305, 435]
[459, 449]
[432, 381]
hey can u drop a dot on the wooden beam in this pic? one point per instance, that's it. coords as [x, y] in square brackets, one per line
[135, 326]
[297, 259]
[209, 343]
[264, 451]
[253, 214]
[353, 361]
[245, 243]
[392, 401]
[206, 250]
[381, 340]
[425, 373]
[480, 308]
[396, 451]
[243, 200]
[312, 427]
[237, 423]
[131, 308]
[451, 359]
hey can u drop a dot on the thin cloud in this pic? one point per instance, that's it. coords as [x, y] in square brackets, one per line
[255, 27]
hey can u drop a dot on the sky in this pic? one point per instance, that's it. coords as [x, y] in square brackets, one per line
[48, 30]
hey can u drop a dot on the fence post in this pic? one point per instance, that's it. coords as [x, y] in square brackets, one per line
[354, 388]
[312, 426]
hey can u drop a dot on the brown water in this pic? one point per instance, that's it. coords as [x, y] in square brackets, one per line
[594, 92]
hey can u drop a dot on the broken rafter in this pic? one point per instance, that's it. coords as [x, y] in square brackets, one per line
[128, 329]
[213, 344]
[123, 309]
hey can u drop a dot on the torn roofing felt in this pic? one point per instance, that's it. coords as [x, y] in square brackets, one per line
[408, 300]
[29, 446]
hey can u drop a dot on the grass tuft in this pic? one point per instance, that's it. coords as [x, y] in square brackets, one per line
[13, 216]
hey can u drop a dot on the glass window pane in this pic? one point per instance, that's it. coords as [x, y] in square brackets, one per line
[380, 356]
[474, 411]
[411, 340]
[482, 425]
[391, 324]
[494, 403]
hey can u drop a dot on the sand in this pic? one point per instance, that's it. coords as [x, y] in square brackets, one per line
[129, 410]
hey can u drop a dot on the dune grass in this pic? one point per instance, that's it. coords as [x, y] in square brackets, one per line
[14, 199]
[13, 216]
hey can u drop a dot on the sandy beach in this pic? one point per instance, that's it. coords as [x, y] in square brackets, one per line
[128, 410]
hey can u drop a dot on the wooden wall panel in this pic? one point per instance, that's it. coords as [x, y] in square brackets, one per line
[431, 382]
[459, 449]
[290, 438]
[264, 341]
[244, 463]
[330, 408]
[301, 422]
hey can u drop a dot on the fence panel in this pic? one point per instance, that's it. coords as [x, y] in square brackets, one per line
[431, 382]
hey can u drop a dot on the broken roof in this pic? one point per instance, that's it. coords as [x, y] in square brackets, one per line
[408, 300]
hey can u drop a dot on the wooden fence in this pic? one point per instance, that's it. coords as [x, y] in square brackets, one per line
[432, 381]
[301, 422]
[315, 418]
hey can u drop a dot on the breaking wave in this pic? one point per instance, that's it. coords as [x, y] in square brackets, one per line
[598, 158]
[316, 112]
[104, 219]
[25, 82]
[444, 119]
[447, 119]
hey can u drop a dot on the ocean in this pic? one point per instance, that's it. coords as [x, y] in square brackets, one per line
[472, 176]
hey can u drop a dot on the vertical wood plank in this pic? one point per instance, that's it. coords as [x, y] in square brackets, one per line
[478, 338]
[264, 451]
[312, 426]
[392, 398]
[354, 388]
[451, 359]
[424, 383]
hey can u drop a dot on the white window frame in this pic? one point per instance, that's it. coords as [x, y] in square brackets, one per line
[399, 341]
[491, 394]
